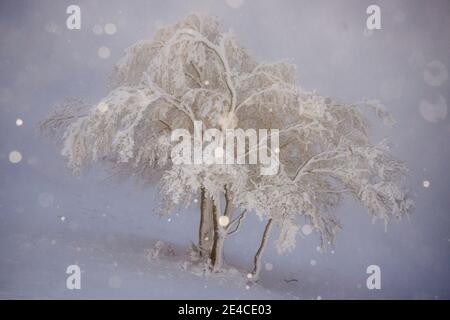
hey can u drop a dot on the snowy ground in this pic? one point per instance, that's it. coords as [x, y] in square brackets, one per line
[111, 245]
[52, 221]
[112, 270]
[112, 250]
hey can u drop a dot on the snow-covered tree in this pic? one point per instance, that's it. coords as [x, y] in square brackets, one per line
[191, 71]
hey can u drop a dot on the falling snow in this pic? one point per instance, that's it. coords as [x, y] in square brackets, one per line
[15, 156]
[104, 52]
[307, 229]
[224, 221]
[435, 73]
[45, 199]
[435, 110]
[110, 28]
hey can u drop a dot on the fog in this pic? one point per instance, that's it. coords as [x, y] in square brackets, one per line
[46, 214]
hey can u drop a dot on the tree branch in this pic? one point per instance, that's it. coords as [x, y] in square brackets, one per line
[258, 255]
[237, 222]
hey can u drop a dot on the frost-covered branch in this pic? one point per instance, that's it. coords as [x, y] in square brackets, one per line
[236, 223]
[219, 50]
[258, 256]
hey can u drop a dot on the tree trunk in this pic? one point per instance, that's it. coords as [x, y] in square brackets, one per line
[219, 238]
[206, 228]
[258, 255]
[220, 232]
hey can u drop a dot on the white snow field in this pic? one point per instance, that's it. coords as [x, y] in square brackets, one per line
[109, 232]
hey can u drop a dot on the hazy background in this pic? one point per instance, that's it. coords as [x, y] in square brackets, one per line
[49, 219]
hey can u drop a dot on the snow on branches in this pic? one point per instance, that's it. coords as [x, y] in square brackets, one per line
[191, 71]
